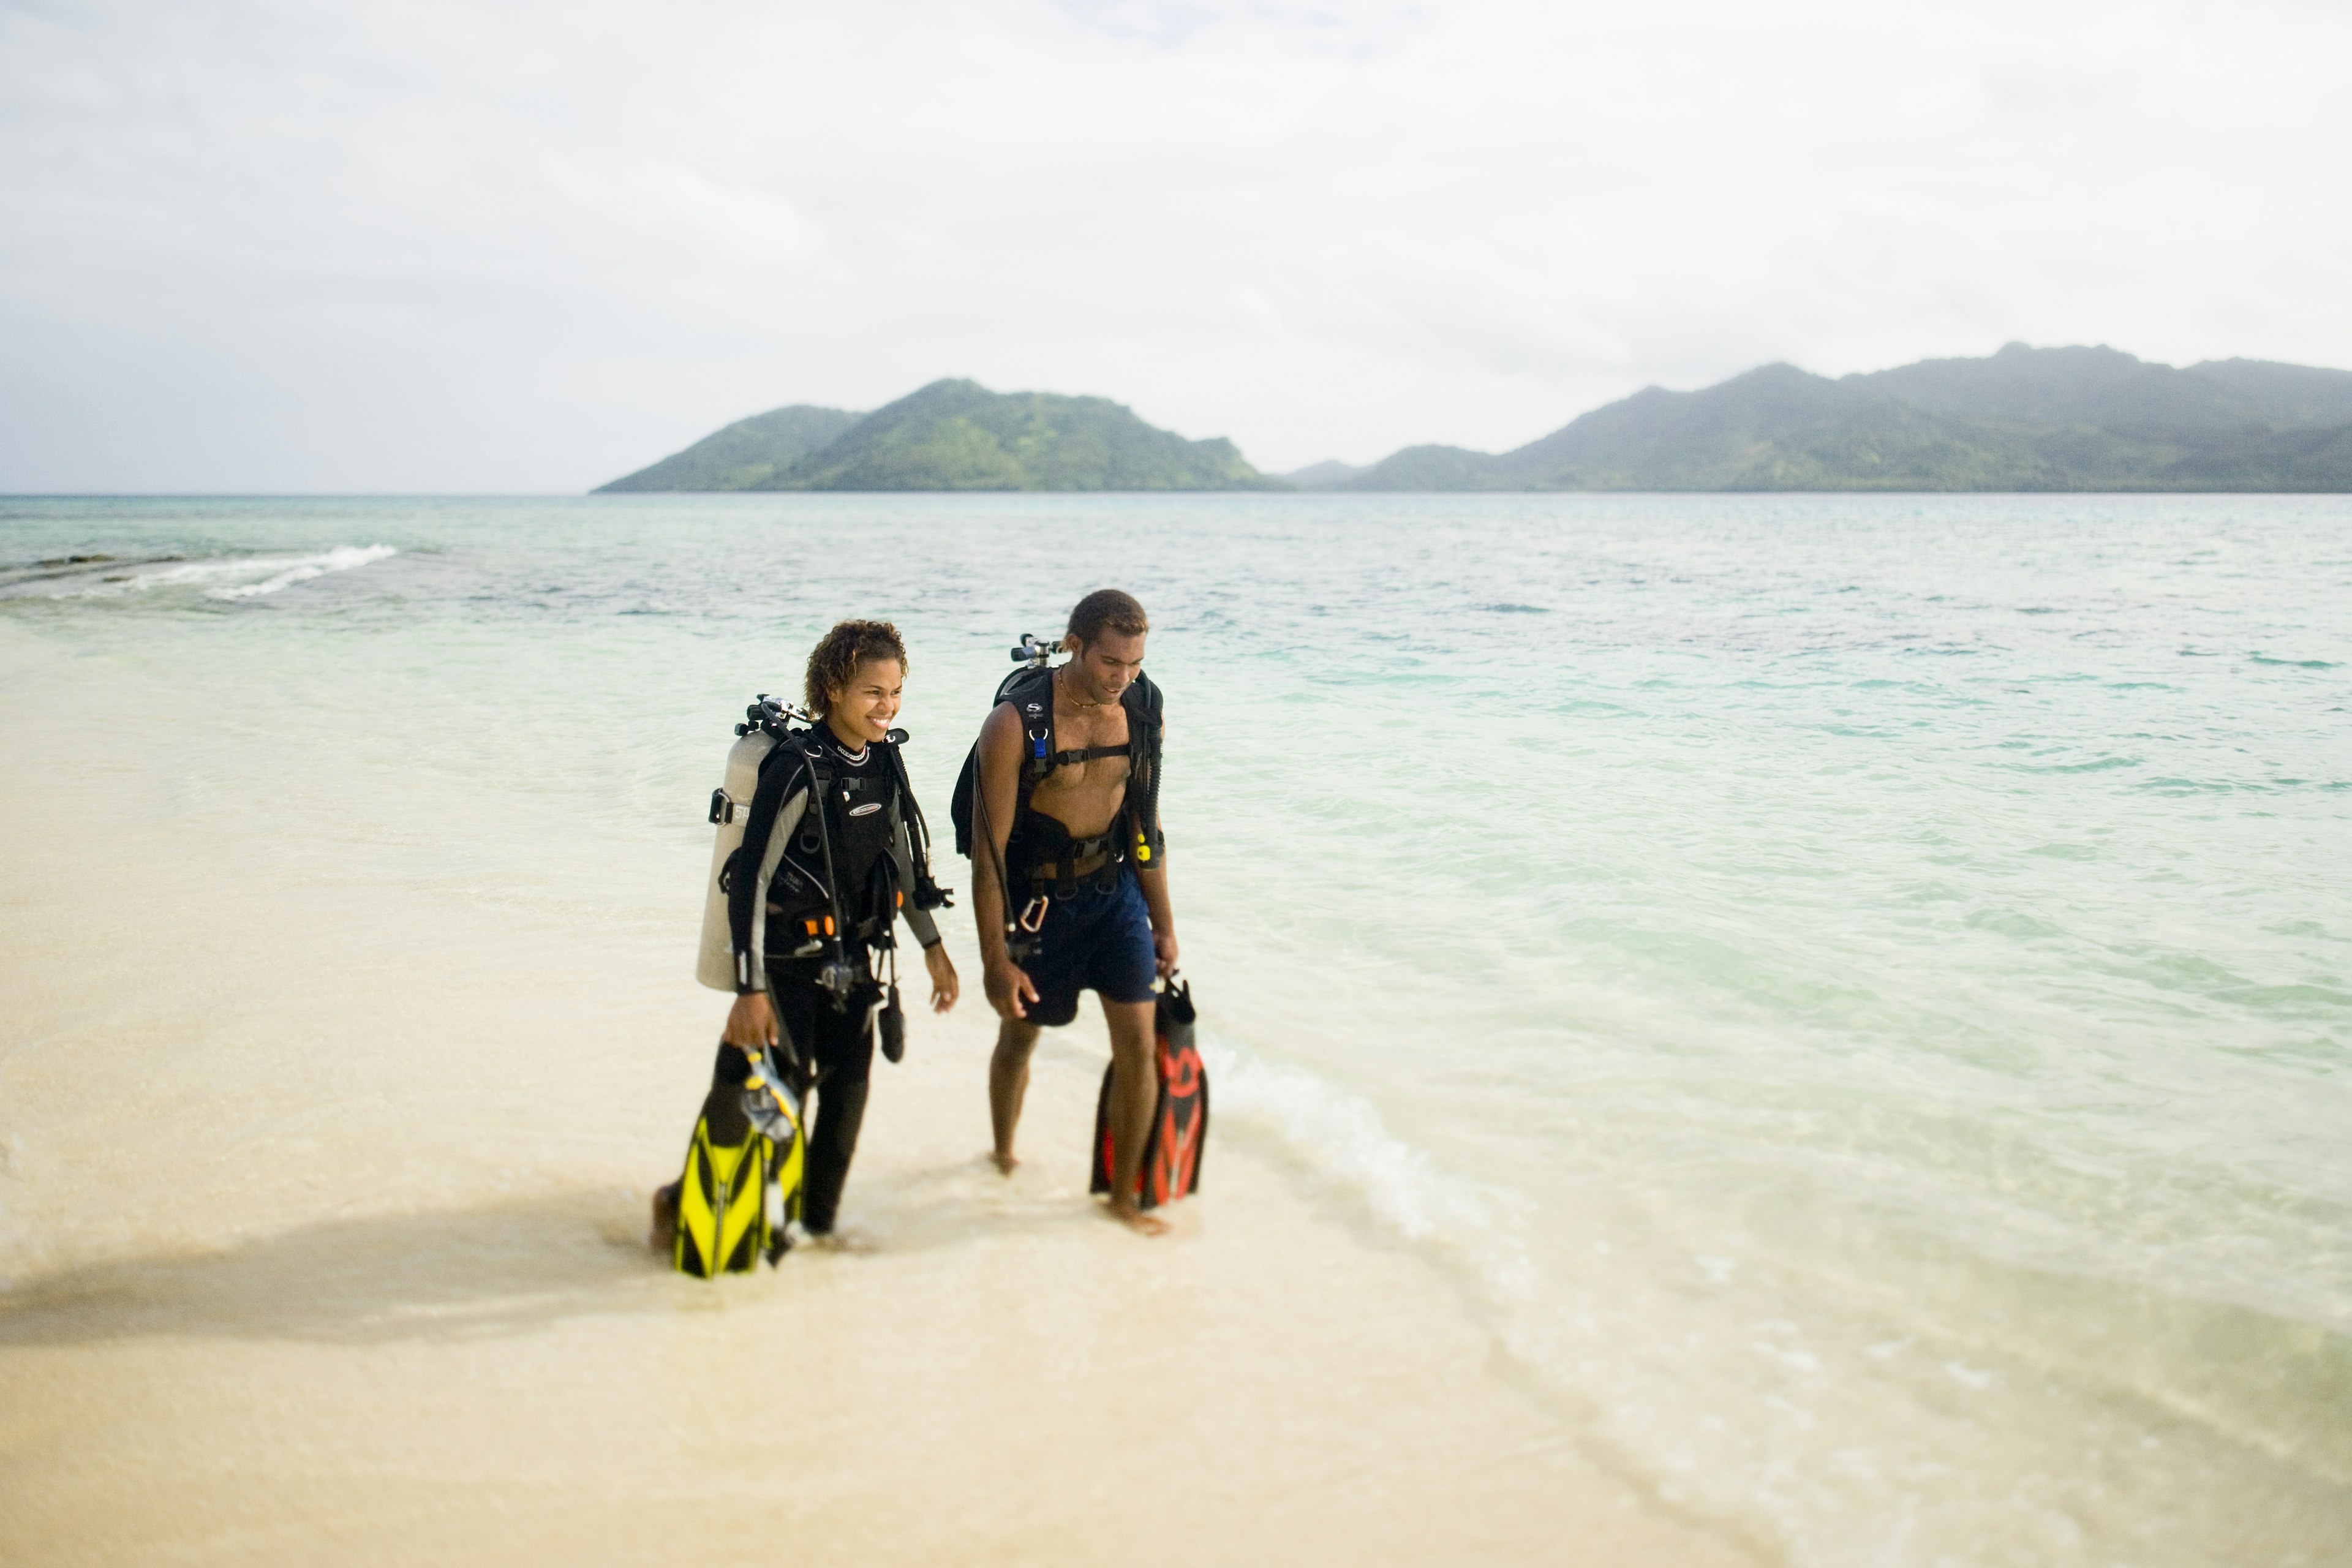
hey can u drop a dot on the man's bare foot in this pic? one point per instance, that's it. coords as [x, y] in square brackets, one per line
[1135, 1220]
[1005, 1161]
[663, 1238]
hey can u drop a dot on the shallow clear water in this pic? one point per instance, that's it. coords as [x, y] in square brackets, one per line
[1854, 992]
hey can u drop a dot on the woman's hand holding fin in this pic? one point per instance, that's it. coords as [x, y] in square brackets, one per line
[751, 1024]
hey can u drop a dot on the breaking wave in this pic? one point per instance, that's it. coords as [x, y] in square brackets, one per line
[341, 559]
[229, 578]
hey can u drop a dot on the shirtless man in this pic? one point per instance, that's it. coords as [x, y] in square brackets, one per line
[1089, 904]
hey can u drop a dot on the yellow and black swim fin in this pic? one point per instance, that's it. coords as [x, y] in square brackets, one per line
[742, 1182]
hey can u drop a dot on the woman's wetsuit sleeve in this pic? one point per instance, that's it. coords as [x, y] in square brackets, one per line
[902, 850]
[766, 831]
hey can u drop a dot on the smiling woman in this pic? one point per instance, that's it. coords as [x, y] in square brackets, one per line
[826, 863]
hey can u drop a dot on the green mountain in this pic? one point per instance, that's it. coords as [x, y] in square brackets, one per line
[745, 455]
[2025, 419]
[1324, 475]
[2097, 386]
[2293, 394]
[958, 435]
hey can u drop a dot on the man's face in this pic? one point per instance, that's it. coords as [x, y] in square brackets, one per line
[1107, 665]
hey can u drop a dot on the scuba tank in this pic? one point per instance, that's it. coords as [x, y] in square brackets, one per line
[730, 804]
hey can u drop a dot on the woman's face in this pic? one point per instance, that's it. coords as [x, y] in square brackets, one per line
[862, 710]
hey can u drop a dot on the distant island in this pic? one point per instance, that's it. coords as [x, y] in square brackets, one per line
[2023, 419]
[951, 435]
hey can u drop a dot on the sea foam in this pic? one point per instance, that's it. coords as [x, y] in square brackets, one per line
[229, 578]
[1339, 1140]
[341, 559]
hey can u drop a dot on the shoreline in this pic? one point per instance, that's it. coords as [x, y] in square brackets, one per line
[379, 1288]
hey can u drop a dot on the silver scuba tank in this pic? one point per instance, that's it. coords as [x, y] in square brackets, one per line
[731, 806]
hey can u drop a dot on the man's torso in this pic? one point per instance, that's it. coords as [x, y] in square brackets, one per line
[1085, 796]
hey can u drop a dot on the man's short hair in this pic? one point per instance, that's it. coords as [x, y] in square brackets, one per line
[1108, 610]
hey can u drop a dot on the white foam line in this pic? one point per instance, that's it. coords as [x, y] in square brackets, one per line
[1339, 1137]
[282, 571]
[341, 559]
[189, 571]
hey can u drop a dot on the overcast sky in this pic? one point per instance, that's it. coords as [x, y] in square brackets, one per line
[459, 245]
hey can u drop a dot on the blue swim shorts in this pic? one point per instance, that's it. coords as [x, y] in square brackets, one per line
[1093, 939]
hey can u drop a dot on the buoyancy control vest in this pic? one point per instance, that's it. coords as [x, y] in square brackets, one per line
[1041, 857]
[837, 869]
[836, 882]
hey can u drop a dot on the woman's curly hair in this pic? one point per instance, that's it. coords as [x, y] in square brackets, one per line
[835, 660]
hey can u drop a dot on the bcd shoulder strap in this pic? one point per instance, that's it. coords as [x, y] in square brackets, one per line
[1031, 692]
[805, 751]
[1143, 702]
[929, 894]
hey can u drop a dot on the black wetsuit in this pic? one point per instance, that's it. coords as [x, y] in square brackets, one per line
[777, 886]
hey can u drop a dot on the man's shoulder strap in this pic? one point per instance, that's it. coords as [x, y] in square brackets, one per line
[1142, 699]
[1025, 686]
[1031, 692]
[1144, 703]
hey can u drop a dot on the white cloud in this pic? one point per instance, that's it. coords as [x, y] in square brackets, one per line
[436, 245]
[692, 218]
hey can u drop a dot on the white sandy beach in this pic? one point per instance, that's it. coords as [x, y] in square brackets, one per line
[322, 1197]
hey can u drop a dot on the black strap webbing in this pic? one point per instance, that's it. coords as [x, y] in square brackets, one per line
[1091, 753]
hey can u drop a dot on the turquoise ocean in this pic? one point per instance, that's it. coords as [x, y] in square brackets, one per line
[1852, 994]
